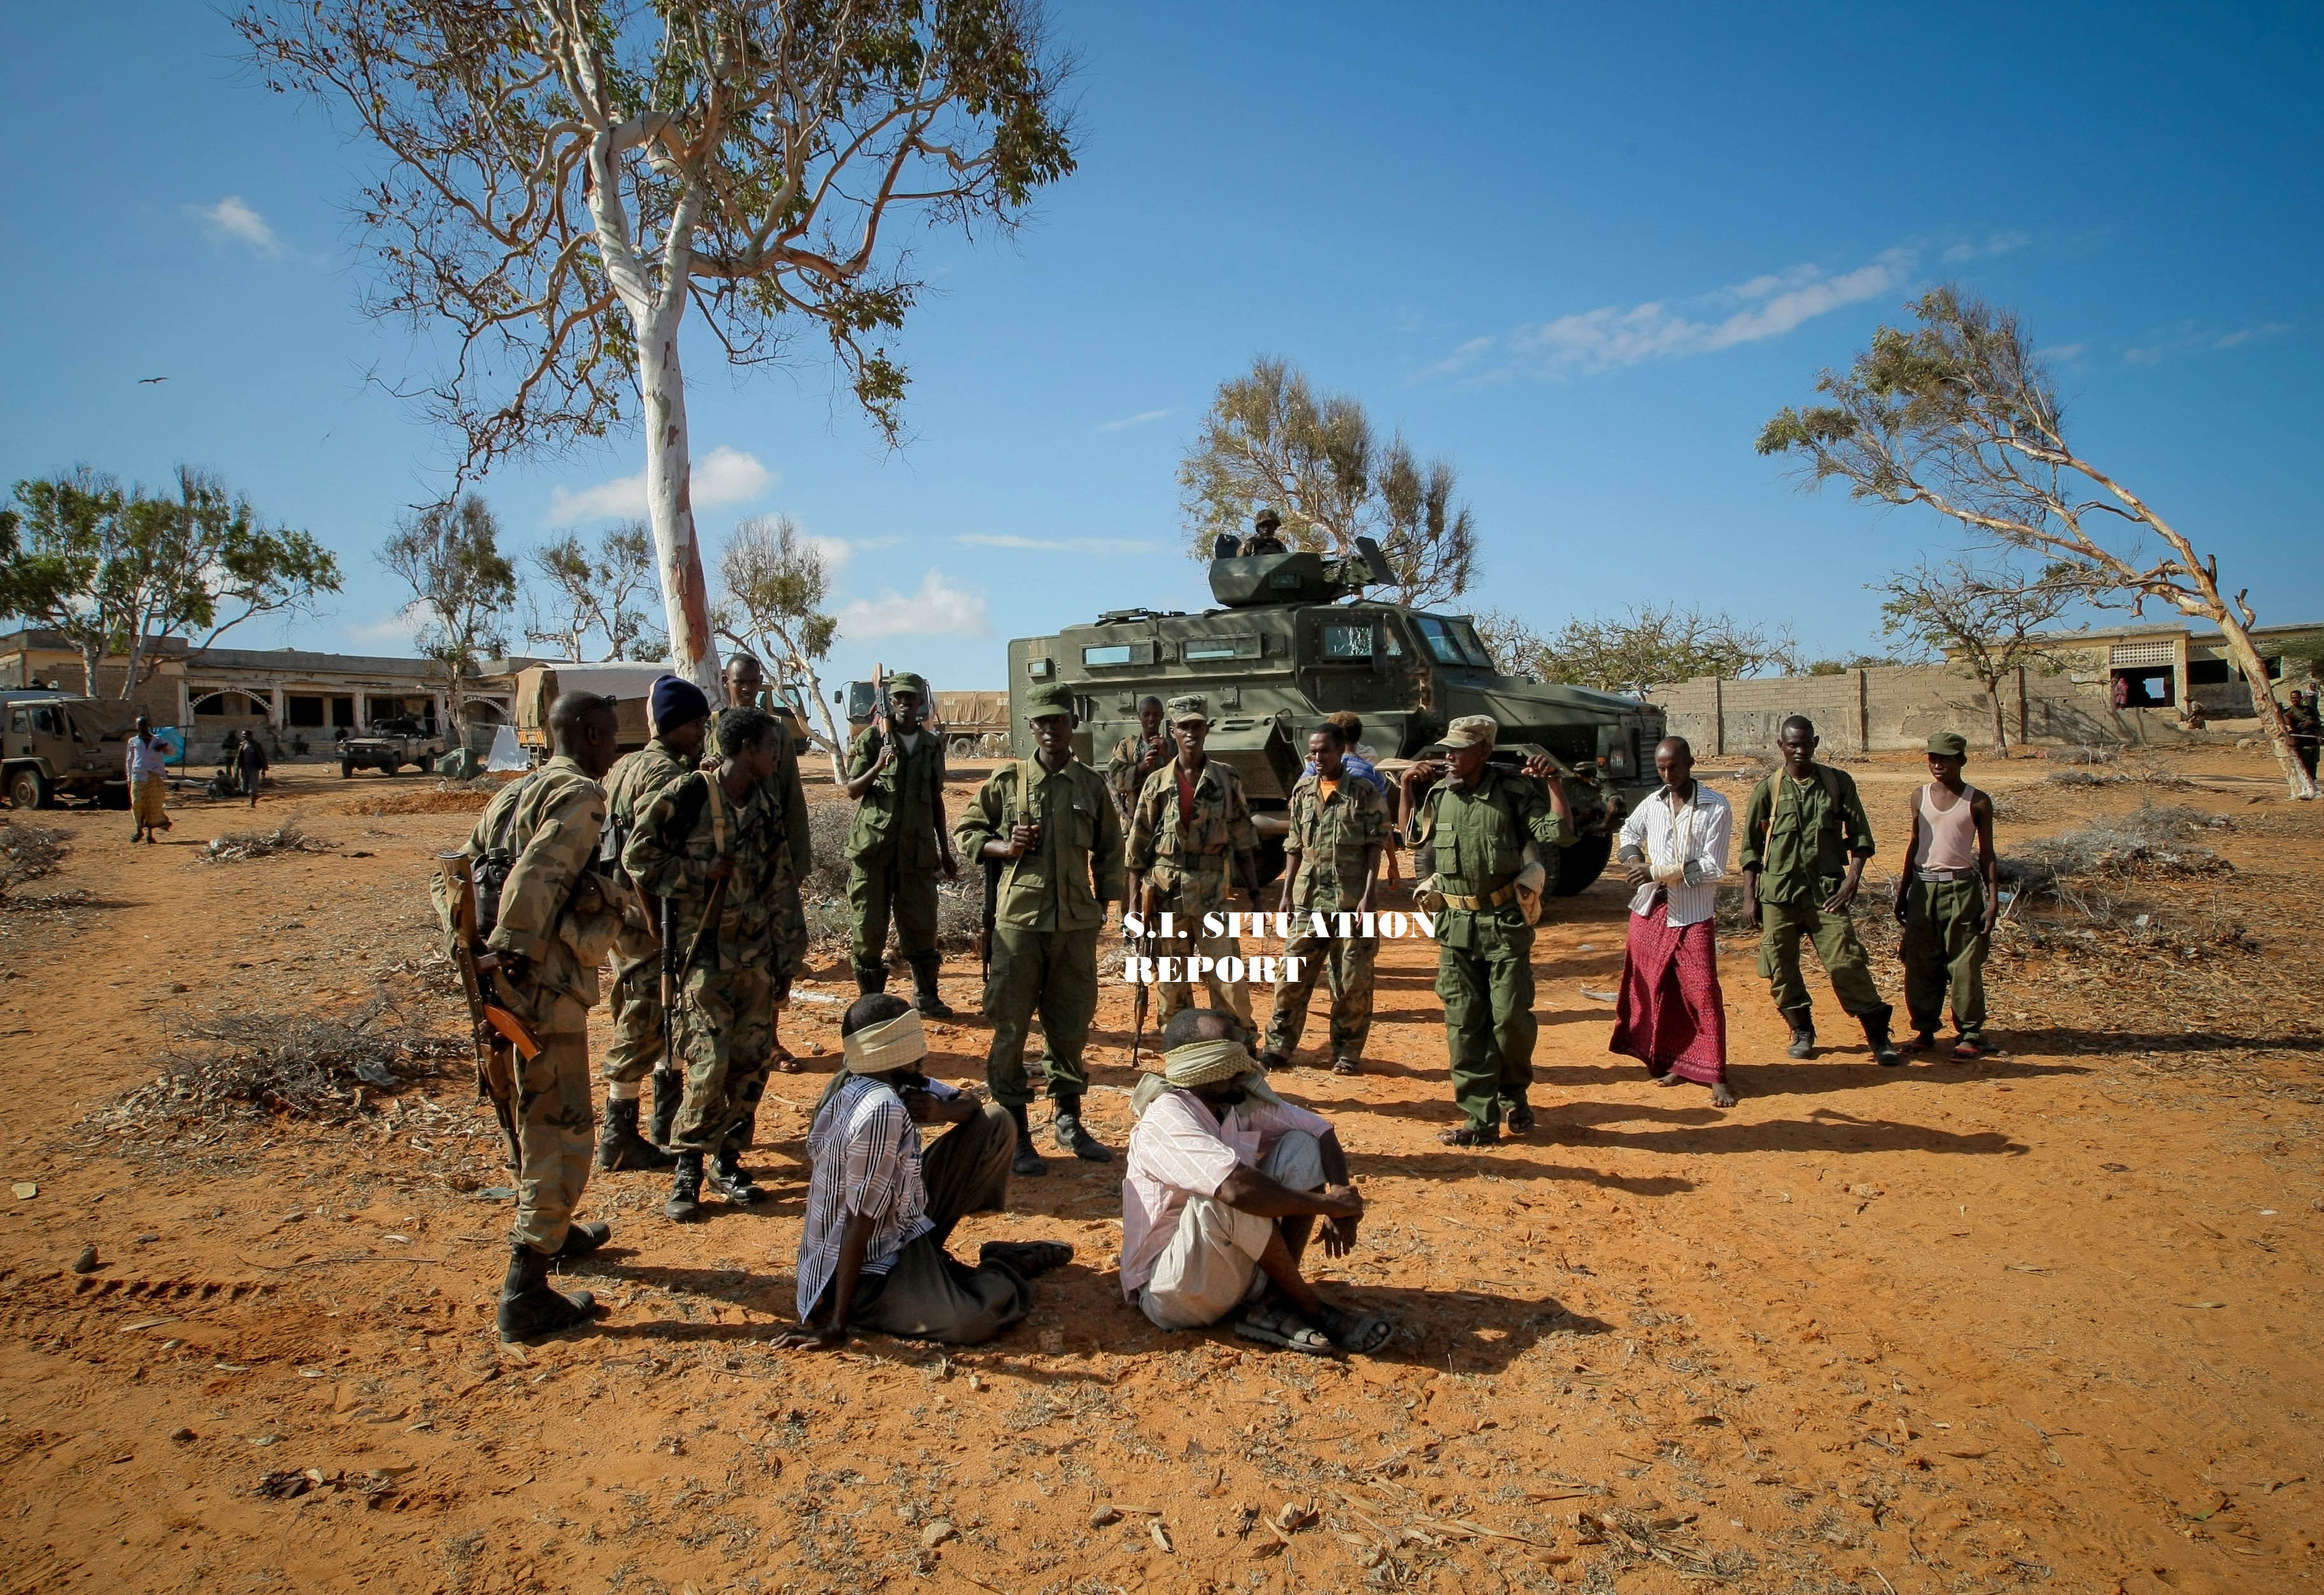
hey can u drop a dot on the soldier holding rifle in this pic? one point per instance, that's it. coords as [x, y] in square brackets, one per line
[1050, 825]
[1138, 756]
[532, 937]
[898, 845]
[1191, 843]
[744, 680]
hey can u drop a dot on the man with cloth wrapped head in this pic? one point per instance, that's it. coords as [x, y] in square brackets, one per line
[1477, 820]
[1224, 1185]
[880, 1209]
[1191, 843]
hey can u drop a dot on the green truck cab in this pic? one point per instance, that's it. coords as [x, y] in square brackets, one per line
[57, 744]
[1293, 640]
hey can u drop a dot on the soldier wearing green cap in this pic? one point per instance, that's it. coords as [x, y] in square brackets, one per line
[1191, 844]
[1805, 838]
[898, 845]
[1950, 898]
[1051, 827]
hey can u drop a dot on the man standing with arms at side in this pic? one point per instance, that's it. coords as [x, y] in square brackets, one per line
[556, 920]
[898, 845]
[744, 681]
[1136, 757]
[1950, 901]
[149, 780]
[1339, 830]
[678, 712]
[1805, 839]
[1050, 822]
[1477, 820]
[1192, 841]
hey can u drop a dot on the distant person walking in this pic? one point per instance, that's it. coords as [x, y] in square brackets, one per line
[1949, 902]
[149, 780]
[250, 765]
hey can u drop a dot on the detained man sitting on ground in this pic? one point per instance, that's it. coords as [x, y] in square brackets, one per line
[1226, 1181]
[878, 1210]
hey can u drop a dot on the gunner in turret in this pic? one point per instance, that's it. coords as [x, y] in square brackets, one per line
[1266, 536]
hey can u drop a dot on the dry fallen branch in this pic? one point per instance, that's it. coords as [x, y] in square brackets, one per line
[289, 836]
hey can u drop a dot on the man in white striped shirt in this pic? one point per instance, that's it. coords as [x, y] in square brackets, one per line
[1673, 1017]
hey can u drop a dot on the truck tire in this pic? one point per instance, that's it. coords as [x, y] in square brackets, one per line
[391, 767]
[1579, 864]
[428, 764]
[27, 789]
[347, 770]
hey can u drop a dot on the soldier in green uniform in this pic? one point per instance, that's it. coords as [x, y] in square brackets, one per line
[898, 845]
[1136, 757]
[1191, 843]
[1950, 899]
[1050, 823]
[744, 681]
[1805, 839]
[1339, 830]
[557, 918]
[677, 711]
[710, 845]
[1477, 820]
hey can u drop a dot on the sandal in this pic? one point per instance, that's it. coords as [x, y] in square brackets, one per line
[1356, 1332]
[1521, 1118]
[1967, 1050]
[1468, 1135]
[786, 1061]
[1345, 1067]
[1276, 1325]
[1922, 1041]
[1032, 1258]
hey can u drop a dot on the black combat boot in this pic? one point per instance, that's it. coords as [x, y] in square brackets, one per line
[582, 1239]
[1802, 1021]
[1028, 1161]
[1875, 1036]
[868, 981]
[685, 1202]
[1075, 1139]
[621, 1147]
[670, 1094]
[925, 995]
[528, 1307]
[728, 1183]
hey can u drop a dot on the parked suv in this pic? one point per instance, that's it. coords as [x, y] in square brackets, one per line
[57, 744]
[388, 745]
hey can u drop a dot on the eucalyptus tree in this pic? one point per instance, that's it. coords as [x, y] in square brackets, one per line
[463, 588]
[775, 592]
[564, 178]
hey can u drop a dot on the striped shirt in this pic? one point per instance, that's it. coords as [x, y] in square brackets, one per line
[864, 1154]
[1696, 832]
[1177, 1152]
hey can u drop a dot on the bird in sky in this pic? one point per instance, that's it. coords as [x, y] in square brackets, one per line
[143, 382]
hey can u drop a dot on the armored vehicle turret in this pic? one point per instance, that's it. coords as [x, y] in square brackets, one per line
[1293, 640]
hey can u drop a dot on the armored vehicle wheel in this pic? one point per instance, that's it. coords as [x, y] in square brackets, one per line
[28, 788]
[1582, 864]
[347, 770]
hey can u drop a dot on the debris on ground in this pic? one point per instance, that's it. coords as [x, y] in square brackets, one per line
[28, 853]
[289, 836]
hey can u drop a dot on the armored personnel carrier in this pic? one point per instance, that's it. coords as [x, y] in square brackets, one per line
[1293, 639]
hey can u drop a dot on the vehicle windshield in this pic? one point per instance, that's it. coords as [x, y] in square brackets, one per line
[1452, 641]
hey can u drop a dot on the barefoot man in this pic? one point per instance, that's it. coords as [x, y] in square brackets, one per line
[1673, 1018]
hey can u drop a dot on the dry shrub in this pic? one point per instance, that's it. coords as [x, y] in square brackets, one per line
[28, 853]
[289, 836]
[960, 904]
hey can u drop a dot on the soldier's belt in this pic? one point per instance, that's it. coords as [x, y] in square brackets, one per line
[1477, 905]
[1945, 874]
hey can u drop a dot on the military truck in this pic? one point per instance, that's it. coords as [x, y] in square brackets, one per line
[56, 745]
[630, 686]
[1293, 639]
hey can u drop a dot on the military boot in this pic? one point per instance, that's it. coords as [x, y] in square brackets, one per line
[868, 981]
[1075, 1139]
[621, 1147]
[528, 1307]
[728, 1183]
[685, 1202]
[582, 1237]
[1802, 1023]
[1028, 1161]
[669, 1093]
[1875, 1036]
[925, 995]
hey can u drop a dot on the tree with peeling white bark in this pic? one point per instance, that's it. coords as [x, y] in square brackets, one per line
[1958, 414]
[568, 176]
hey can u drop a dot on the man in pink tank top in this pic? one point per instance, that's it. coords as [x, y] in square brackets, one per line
[1948, 901]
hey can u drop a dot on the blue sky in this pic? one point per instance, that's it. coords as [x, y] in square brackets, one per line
[1581, 252]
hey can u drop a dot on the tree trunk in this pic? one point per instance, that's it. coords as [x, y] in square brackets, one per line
[2271, 713]
[669, 502]
[2000, 728]
[831, 732]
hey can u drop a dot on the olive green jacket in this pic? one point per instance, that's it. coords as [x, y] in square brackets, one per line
[898, 813]
[1799, 835]
[1065, 882]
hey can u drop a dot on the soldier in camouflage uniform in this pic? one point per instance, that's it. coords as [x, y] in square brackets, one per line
[710, 843]
[1340, 827]
[1050, 825]
[678, 710]
[556, 920]
[1136, 757]
[898, 845]
[1478, 820]
[1191, 843]
[744, 681]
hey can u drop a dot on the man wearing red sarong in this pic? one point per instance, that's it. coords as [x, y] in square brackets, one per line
[1672, 1017]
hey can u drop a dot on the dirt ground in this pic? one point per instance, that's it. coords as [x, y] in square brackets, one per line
[2046, 1321]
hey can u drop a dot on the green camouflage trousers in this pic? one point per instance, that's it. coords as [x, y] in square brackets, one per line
[556, 1125]
[878, 891]
[1053, 973]
[725, 1037]
[790, 935]
[1487, 987]
[636, 1049]
[1346, 962]
[1781, 926]
[1945, 947]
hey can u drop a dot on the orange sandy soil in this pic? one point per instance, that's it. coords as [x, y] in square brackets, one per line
[2043, 1322]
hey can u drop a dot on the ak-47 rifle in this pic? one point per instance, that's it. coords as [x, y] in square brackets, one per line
[1145, 947]
[880, 721]
[499, 1032]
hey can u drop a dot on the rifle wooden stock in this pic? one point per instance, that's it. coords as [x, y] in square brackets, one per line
[498, 1031]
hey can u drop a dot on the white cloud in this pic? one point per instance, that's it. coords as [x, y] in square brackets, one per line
[1128, 422]
[838, 551]
[1995, 243]
[2196, 337]
[723, 476]
[399, 627]
[939, 609]
[1070, 545]
[232, 221]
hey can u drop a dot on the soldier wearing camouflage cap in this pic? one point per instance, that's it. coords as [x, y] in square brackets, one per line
[1191, 843]
[1049, 827]
[898, 845]
[1266, 535]
[1950, 899]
